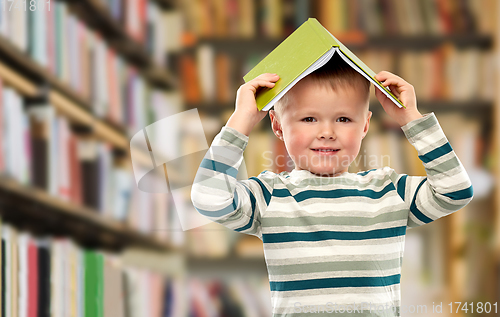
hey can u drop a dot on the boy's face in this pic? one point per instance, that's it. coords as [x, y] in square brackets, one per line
[317, 117]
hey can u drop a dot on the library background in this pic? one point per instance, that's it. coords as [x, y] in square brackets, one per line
[80, 78]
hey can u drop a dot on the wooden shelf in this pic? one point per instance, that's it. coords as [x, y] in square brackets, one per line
[437, 105]
[74, 111]
[42, 80]
[480, 107]
[242, 46]
[98, 17]
[226, 266]
[167, 4]
[22, 63]
[35, 210]
[424, 42]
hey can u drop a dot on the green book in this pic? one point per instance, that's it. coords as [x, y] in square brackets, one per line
[93, 284]
[308, 48]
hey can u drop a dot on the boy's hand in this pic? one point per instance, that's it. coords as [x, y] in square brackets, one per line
[246, 115]
[404, 92]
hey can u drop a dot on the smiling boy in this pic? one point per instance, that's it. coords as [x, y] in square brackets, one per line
[331, 238]
[322, 128]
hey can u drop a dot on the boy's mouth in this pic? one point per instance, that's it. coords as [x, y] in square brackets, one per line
[325, 150]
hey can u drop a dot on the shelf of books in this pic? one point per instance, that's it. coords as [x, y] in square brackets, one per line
[72, 93]
[69, 104]
[446, 49]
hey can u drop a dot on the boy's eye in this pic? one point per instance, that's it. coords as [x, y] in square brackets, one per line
[306, 119]
[344, 119]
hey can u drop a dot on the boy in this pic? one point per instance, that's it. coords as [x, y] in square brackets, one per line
[333, 240]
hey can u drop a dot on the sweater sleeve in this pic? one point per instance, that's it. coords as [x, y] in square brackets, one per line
[217, 193]
[446, 188]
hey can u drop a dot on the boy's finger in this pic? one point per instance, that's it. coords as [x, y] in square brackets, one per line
[383, 76]
[393, 86]
[392, 81]
[264, 78]
[261, 83]
[267, 75]
[395, 91]
[380, 95]
[265, 82]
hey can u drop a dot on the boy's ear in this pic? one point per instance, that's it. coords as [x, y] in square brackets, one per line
[276, 125]
[367, 124]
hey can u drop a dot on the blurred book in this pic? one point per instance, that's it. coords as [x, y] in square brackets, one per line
[249, 247]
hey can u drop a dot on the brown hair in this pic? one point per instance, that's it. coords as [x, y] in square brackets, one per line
[336, 73]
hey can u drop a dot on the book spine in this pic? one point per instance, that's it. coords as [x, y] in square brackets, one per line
[314, 24]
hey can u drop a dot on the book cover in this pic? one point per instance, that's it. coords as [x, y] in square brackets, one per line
[3, 135]
[33, 278]
[6, 270]
[305, 50]
[14, 269]
[2, 271]
[42, 121]
[113, 299]
[44, 276]
[22, 274]
[88, 155]
[93, 284]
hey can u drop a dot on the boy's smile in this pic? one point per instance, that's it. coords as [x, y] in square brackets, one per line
[322, 129]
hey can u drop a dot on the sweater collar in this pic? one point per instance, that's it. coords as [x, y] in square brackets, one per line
[307, 174]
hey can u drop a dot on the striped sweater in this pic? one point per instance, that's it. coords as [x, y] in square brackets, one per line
[333, 245]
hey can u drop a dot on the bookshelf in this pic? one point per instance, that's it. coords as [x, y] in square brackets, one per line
[30, 79]
[71, 106]
[34, 210]
[53, 240]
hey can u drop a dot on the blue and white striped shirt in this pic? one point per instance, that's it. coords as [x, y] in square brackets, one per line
[333, 244]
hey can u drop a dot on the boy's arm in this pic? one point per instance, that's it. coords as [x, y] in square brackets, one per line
[219, 196]
[446, 188]
[216, 192]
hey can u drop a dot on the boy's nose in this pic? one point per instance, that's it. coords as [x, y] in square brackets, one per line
[327, 133]
[331, 136]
